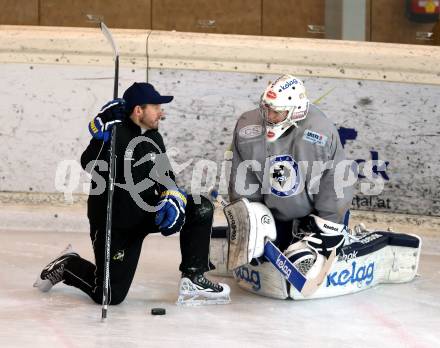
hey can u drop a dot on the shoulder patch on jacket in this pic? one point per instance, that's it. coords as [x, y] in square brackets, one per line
[314, 137]
[250, 131]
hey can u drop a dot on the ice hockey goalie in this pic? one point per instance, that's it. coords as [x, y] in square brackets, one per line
[363, 258]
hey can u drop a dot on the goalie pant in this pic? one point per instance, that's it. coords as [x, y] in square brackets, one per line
[126, 248]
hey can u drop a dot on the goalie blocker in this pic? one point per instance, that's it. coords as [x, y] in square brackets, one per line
[376, 257]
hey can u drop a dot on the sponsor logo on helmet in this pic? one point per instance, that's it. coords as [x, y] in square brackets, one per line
[314, 137]
[271, 95]
[299, 115]
[288, 84]
[251, 131]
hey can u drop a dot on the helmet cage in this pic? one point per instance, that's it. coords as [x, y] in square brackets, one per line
[285, 94]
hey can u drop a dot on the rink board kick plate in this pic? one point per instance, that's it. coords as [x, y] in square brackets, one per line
[379, 257]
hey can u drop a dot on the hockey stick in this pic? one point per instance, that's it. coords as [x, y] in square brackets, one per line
[109, 38]
[108, 35]
[304, 285]
[112, 172]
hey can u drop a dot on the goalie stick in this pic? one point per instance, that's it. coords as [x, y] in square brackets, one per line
[306, 286]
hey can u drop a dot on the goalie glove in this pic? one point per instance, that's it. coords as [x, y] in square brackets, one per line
[320, 238]
[322, 235]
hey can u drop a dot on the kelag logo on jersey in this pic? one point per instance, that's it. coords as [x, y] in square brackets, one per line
[284, 176]
[353, 275]
[249, 276]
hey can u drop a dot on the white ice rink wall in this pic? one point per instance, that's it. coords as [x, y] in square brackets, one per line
[384, 98]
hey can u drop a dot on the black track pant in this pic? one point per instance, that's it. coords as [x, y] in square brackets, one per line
[126, 245]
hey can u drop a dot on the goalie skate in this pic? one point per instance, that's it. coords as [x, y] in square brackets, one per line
[197, 290]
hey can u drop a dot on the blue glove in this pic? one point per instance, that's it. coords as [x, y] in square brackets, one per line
[171, 216]
[101, 126]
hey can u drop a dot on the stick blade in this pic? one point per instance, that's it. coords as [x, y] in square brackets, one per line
[93, 18]
[109, 37]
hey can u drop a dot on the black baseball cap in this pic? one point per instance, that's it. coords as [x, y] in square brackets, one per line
[140, 93]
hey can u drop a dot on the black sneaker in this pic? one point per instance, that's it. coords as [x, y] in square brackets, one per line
[54, 271]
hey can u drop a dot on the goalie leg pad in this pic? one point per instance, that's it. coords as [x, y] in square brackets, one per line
[218, 255]
[250, 224]
[263, 280]
[240, 238]
[379, 257]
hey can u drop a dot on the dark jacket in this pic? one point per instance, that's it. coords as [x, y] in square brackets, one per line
[140, 158]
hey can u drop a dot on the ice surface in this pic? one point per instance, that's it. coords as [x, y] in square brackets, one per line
[392, 315]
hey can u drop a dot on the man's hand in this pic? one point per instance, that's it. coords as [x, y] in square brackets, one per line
[171, 216]
[112, 112]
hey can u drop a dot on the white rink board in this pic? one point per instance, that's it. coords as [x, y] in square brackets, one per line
[45, 110]
[54, 80]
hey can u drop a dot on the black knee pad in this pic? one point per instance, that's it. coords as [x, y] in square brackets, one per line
[203, 211]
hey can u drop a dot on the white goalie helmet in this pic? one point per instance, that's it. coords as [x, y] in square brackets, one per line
[287, 93]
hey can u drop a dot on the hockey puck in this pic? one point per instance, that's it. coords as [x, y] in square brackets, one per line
[158, 311]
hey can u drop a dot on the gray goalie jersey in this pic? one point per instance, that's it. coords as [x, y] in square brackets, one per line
[303, 172]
